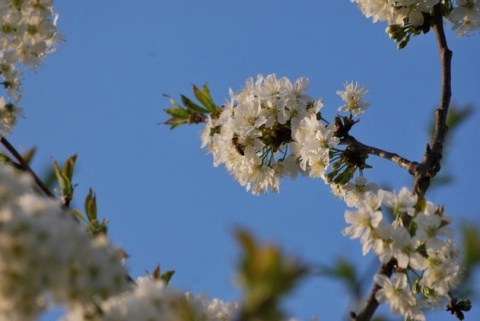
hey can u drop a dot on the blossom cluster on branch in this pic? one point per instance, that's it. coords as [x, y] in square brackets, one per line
[45, 253]
[151, 299]
[425, 258]
[407, 18]
[269, 130]
[47, 257]
[28, 32]
[254, 132]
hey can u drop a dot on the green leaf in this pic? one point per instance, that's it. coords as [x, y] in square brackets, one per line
[91, 206]
[5, 159]
[266, 275]
[158, 275]
[205, 98]
[69, 166]
[98, 228]
[179, 115]
[172, 101]
[471, 245]
[191, 112]
[192, 106]
[167, 276]
[78, 214]
[458, 115]
[178, 112]
[174, 122]
[28, 156]
[246, 242]
[63, 181]
[403, 43]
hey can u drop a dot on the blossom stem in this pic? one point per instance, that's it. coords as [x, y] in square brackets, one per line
[25, 167]
[400, 161]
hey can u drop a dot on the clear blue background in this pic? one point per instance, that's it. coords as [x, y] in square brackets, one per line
[100, 95]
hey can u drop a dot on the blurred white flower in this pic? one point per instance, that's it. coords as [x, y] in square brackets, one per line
[152, 299]
[401, 202]
[28, 32]
[398, 295]
[45, 254]
[466, 17]
[361, 190]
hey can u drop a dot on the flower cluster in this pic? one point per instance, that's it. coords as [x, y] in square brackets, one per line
[396, 12]
[400, 14]
[45, 254]
[268, 130]
[27, 33]
[151, 299]
[466, 17]
[419, 241]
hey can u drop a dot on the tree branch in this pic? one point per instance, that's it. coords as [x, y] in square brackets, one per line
[25, 167]
[430, 165]
[372, 303]
[400, 161]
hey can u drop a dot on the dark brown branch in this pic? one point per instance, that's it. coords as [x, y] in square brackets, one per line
[372, 303]
[430, 165]
[400, 161]
[25, 167]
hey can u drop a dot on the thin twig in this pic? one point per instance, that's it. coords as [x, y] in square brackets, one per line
[25, 167]
[400, 161]
[430, 165]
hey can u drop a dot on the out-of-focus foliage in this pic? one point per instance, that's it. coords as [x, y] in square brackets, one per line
[266, 275]
[471, 257]
[456, 117]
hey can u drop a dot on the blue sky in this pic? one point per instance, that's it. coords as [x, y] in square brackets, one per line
[100, 95]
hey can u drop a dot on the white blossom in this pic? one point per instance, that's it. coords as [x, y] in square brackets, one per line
[466, 17]
[45, 254]
[424, 250]
[28, 32]
[443, 270]
[404, 249]
[354, 193]
[312, 143]
[379, 10]
[152, 299]
[214, 309]
[363, 223]
[402, 202]
[263, 134]
[353, 96]
[396, 292]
